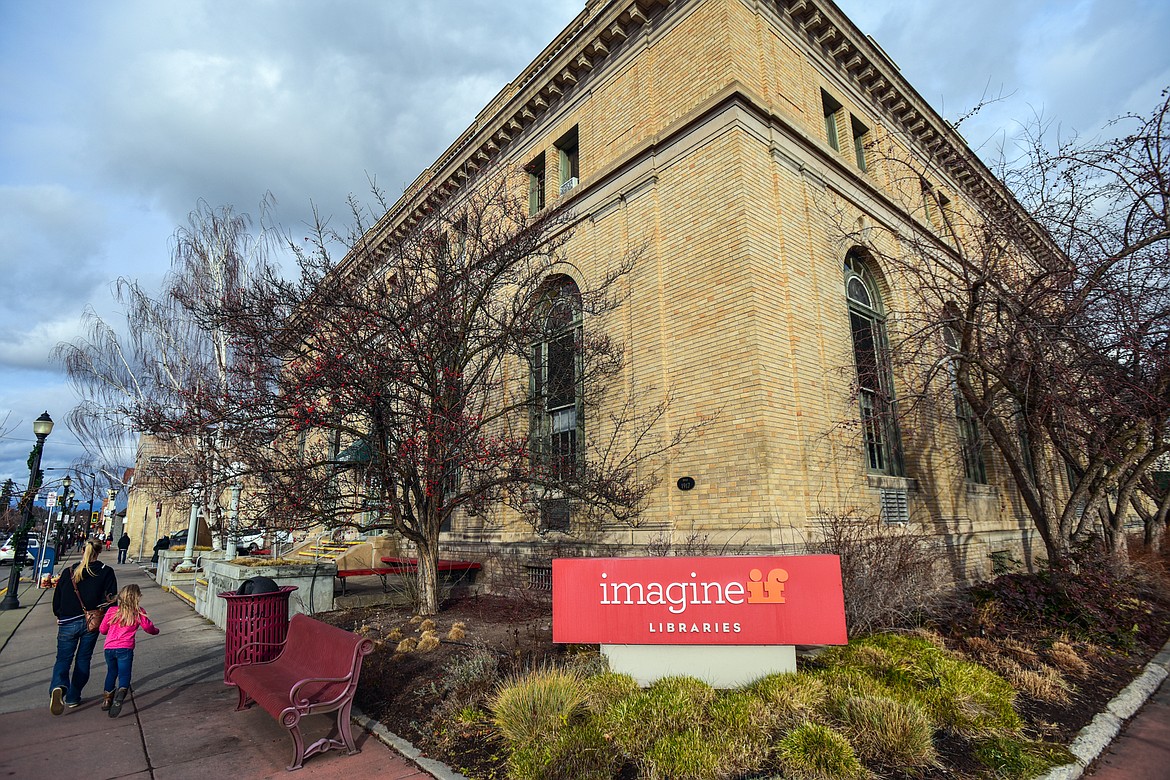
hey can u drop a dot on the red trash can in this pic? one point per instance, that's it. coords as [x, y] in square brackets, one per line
[256, 617]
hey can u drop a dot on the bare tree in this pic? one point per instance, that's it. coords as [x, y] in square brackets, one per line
[1049, 323]
[458, 366]
[165, 371]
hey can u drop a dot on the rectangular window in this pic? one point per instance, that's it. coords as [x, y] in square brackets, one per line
[569, 161]
[831, 108]
[860, 136]
[459, 239]
[970, 435]
[535, 171]
[929, 203]
[554, 514]
[946, 216]
[970, 440]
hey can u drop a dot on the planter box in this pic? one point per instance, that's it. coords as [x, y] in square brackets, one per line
[314, 583]
[167, 559]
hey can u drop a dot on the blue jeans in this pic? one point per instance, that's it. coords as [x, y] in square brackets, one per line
[119, 663]
[122, 554]
[74, 649]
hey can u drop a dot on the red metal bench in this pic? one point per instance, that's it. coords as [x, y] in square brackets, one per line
[380, 572]
[316, 672]
[454, 571]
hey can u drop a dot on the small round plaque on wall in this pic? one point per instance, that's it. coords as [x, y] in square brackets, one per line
[686, 483]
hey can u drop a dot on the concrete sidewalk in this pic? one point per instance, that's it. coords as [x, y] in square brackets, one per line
[179, 720]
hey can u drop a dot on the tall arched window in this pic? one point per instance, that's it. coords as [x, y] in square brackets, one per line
[970, 434]
[875, 387]
[558, 419]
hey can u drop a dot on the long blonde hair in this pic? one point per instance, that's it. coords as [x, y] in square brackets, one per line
[92, 549]
[129, 611]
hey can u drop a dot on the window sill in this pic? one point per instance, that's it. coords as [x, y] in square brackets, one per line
[981, 489]
[886, 482]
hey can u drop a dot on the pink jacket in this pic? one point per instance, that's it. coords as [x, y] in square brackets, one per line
[119, 636]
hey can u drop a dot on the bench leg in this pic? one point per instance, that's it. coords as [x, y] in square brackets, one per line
[340, 736]
[298, 747]
[245, 700]
[385, 587]
[343, 728]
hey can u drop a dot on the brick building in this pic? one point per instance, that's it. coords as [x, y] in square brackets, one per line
[747, 144]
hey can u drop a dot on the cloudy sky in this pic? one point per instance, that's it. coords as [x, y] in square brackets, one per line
[116, 117]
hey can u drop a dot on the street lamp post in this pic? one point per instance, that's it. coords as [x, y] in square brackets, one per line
[75, 525]
[42, 427]
[66, 498]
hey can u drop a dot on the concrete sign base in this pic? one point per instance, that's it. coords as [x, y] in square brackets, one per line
[722, 666]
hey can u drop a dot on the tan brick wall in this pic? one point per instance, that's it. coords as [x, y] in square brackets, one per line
[737, 304]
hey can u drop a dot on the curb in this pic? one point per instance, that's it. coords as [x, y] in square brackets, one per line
[1094, 738]
[440, 770]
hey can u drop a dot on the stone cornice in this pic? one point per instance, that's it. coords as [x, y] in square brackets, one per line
[859, 59]
[556, 72]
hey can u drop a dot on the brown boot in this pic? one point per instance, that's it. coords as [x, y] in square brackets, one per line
[116, 704]
[107, 700]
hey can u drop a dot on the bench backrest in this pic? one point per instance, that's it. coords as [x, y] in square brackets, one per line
[322, 650]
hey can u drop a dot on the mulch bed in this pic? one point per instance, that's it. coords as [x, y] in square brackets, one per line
[416, 695]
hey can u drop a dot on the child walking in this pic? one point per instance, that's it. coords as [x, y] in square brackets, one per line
[119, 625]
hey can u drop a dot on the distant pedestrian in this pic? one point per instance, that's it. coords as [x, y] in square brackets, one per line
[87, 584]
[163, 543]
[119, 625]
[109, 540]
[123, 547]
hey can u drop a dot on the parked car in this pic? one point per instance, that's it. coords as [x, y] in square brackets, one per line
[8, 551]
[252, 540]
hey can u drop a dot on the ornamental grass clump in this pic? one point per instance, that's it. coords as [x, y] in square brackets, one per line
[1064, 657]
[791, 699]
[603, 690]
[813, 751]
[687, 755]
[577, 752]
[738, 723]
[957, 695]
[886, 732]
[969, 700]
[669, 706]
[536, 706]
[1017, 758]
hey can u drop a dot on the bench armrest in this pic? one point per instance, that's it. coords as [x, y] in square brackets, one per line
[293, 697]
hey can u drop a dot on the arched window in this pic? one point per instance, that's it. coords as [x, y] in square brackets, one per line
[557, 416]
[875, 393]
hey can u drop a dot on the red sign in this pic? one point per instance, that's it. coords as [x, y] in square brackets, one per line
[763, 600]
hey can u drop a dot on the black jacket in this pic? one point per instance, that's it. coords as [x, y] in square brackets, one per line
[96, 589]
[124, 542]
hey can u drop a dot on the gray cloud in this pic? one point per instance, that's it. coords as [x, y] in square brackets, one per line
[116, 117]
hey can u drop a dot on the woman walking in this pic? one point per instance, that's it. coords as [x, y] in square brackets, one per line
[119, 625]
[87, 584]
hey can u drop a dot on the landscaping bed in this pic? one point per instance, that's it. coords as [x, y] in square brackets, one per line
[1066, 644]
